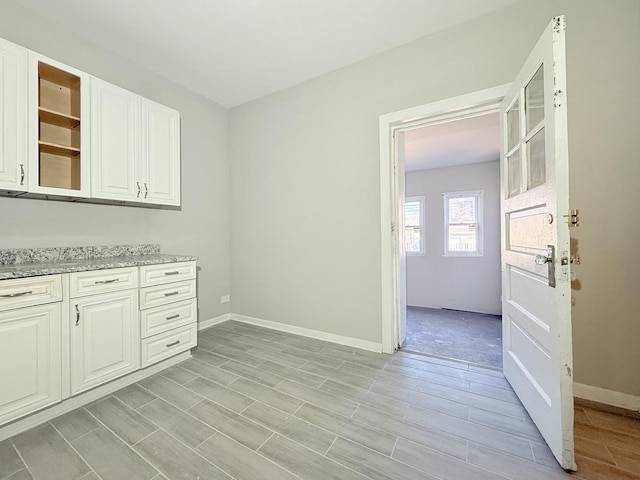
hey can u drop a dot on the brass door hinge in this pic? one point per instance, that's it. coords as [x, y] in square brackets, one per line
[573, 219]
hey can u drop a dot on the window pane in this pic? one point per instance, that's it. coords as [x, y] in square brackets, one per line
[412, 213]
[514, 174]
[536, 160]
[413, 225]
[534, 100]
[462, 238]
[513, 126]
[462, 210]
[412, 239]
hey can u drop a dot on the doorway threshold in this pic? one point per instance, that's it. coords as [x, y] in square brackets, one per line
[449, 360]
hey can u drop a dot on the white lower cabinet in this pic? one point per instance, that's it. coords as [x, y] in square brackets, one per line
[30, 360]
[62, 335]
[105, 341]
[168, 310]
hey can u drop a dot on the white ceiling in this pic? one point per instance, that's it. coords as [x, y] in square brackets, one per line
[460, 142]
[234, 51]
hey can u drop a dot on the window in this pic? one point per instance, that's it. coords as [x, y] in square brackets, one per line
[463, 223]
[414, 225]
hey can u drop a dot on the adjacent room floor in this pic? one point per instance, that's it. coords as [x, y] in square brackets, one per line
[260, 404]
[467, 336]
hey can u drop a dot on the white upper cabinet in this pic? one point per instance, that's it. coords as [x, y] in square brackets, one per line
[115, 142]
[58, 128]
[135, 147]
[160, 153]
[13, 117]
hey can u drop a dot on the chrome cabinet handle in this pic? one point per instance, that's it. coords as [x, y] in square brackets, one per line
[172, 273]
[169, 294]
[77, 316]
[173, 317]
[146, 190]
[21, 174]
[138, 194]
[102, 282]
[19, 294]
[172, 344]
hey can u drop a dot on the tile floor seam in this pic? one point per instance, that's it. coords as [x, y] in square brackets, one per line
[342, 464]
[86, 462]
[167, 400]
[181, 443]
[24, 463]
[390, 458]
[256, 451]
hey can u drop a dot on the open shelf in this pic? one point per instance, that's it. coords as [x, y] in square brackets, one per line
[58, 119]
[59, 128]
[60, 150]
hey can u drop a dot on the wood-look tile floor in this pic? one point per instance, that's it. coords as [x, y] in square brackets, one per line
[259, 404]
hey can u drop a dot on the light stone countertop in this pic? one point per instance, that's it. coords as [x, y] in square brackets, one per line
[80, 259]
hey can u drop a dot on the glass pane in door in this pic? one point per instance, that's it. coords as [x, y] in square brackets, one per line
[513, 126]
[536, 171]
[534, 100]
[514, 174]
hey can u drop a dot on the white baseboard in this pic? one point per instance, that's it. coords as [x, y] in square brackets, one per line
[607, 397]
[307, 332]
[213, 321]
[65, 406]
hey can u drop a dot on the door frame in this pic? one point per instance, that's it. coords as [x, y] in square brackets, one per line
[393, 284]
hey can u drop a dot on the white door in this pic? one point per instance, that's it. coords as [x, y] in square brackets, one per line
[115, 143]
[160, 154]
[536, 287]
[13, 116]
[105, 338]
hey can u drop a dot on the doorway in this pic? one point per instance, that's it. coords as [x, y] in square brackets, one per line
[452, 239]
[393, 128]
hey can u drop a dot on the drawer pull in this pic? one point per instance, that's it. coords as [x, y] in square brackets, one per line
[102, 282]
[172, 273]
[170, 294]
[19, 294]
[173, 344]
[173, 317]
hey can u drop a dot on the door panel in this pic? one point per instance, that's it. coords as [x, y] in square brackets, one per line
[105, 338]
[537, 349]
[115, 142]
[13, 116]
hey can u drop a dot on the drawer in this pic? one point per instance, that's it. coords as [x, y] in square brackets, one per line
[101, 281]
[165, 294]
[166, 317]
[167, 272]
[21, 292]
[165, 345]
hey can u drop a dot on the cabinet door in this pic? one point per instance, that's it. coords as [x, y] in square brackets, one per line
[104, 338]
[160, 154]
[115, 143]
[13, 116]
[58, 97]
[30, 360]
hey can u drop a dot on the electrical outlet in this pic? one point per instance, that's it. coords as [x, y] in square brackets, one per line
[225, 299]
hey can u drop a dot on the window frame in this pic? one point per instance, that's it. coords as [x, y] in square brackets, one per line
[420, 200]
[478, 194]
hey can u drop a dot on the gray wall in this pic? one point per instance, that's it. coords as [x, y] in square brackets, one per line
[305, 182]
[461, 283]
[200, 227]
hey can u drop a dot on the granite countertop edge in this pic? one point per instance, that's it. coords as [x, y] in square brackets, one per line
[25, 270]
